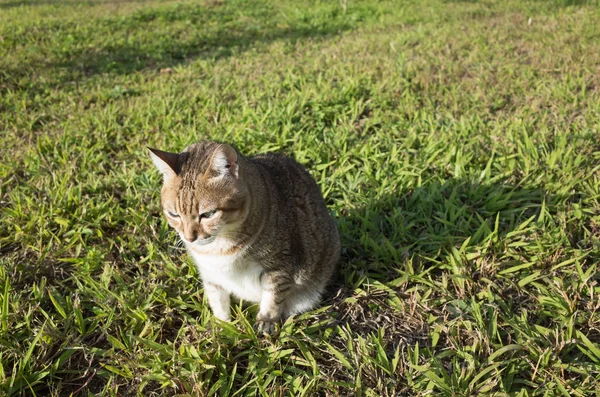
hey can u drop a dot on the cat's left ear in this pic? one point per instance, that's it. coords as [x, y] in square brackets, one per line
[225, 161]
[165, 162]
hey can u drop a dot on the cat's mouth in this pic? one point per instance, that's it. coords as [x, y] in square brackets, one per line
[205, 241]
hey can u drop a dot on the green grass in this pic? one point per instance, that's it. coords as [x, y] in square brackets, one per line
[457, 144]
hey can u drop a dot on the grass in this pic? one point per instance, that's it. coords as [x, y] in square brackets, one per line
[457, 144]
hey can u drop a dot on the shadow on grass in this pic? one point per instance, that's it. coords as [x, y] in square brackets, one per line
[36, 3]
[429, 220]
[165, 37]
[552, 3]
[413, 234]
[571, 3]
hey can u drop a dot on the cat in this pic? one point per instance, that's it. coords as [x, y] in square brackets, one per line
[256, 228]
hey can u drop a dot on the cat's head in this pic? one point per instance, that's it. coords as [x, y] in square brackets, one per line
[202, 195]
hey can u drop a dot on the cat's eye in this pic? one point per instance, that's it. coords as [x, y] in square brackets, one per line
[208, 214]
[172, 214]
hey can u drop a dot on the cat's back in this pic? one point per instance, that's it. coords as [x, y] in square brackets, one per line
[291, 180]
[300, 210]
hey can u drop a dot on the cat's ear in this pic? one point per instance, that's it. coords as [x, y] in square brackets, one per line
[165, 162]
[225, 161]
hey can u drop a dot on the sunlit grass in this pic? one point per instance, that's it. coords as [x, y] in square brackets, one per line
[456, 143]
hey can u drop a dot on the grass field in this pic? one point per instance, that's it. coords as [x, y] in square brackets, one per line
[457, 143]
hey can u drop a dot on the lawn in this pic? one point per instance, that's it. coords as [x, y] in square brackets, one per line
[457, 144]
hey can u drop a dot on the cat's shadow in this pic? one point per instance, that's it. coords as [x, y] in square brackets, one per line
[429, 220]
[414, 231]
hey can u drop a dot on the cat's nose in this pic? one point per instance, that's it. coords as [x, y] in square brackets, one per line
[190, 236]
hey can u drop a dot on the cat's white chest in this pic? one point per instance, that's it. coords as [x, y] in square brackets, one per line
[233, 273]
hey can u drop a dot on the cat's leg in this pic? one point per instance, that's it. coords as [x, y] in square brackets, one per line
[275, 288]
[219, 301]
[302, 299]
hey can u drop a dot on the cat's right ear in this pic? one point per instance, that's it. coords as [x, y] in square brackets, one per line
[165, 162]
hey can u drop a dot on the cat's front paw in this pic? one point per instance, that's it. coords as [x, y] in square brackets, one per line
[265, 326]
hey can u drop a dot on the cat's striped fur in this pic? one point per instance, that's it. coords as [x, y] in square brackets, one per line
[256, 227]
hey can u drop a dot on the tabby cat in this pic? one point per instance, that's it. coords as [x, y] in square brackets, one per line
[256, 227]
